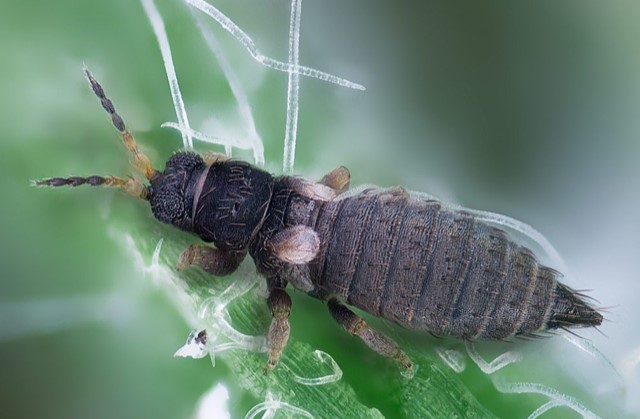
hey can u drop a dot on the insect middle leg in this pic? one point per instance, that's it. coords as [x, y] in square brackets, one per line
[214, 261]
[338, 179]
[279, 303]
[375, 340]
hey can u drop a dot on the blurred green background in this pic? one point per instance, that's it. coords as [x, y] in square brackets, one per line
[528, 109]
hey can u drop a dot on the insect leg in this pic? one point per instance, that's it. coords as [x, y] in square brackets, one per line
[279, 303]
[338, 179]
[213, 157]
[298, 276]
[297, 245]
[355, 325]
[312, 190]
[214, 261]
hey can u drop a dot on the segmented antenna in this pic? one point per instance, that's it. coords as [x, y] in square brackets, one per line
[130, 186]
[140, 161]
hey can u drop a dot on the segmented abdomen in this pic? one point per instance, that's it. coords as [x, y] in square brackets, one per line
[427, 267]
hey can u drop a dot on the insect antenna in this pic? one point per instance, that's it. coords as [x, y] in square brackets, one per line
[140, 161]
[130, 186]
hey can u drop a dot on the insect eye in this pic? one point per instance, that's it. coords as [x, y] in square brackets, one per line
[167, 205]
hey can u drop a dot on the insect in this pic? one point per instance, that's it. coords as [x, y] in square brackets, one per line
[411, 261]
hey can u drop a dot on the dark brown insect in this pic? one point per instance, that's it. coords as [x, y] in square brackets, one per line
[408, 260]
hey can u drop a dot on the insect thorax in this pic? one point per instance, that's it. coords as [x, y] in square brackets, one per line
[230, 202]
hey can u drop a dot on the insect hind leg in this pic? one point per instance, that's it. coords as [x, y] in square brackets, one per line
[375, 340]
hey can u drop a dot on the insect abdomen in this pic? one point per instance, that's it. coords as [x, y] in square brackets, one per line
[426, 267]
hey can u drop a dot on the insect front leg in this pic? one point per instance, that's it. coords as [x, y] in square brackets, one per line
[214, 261]
[213, 157]
[355, 325]
[338, 179]
[279, 303]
